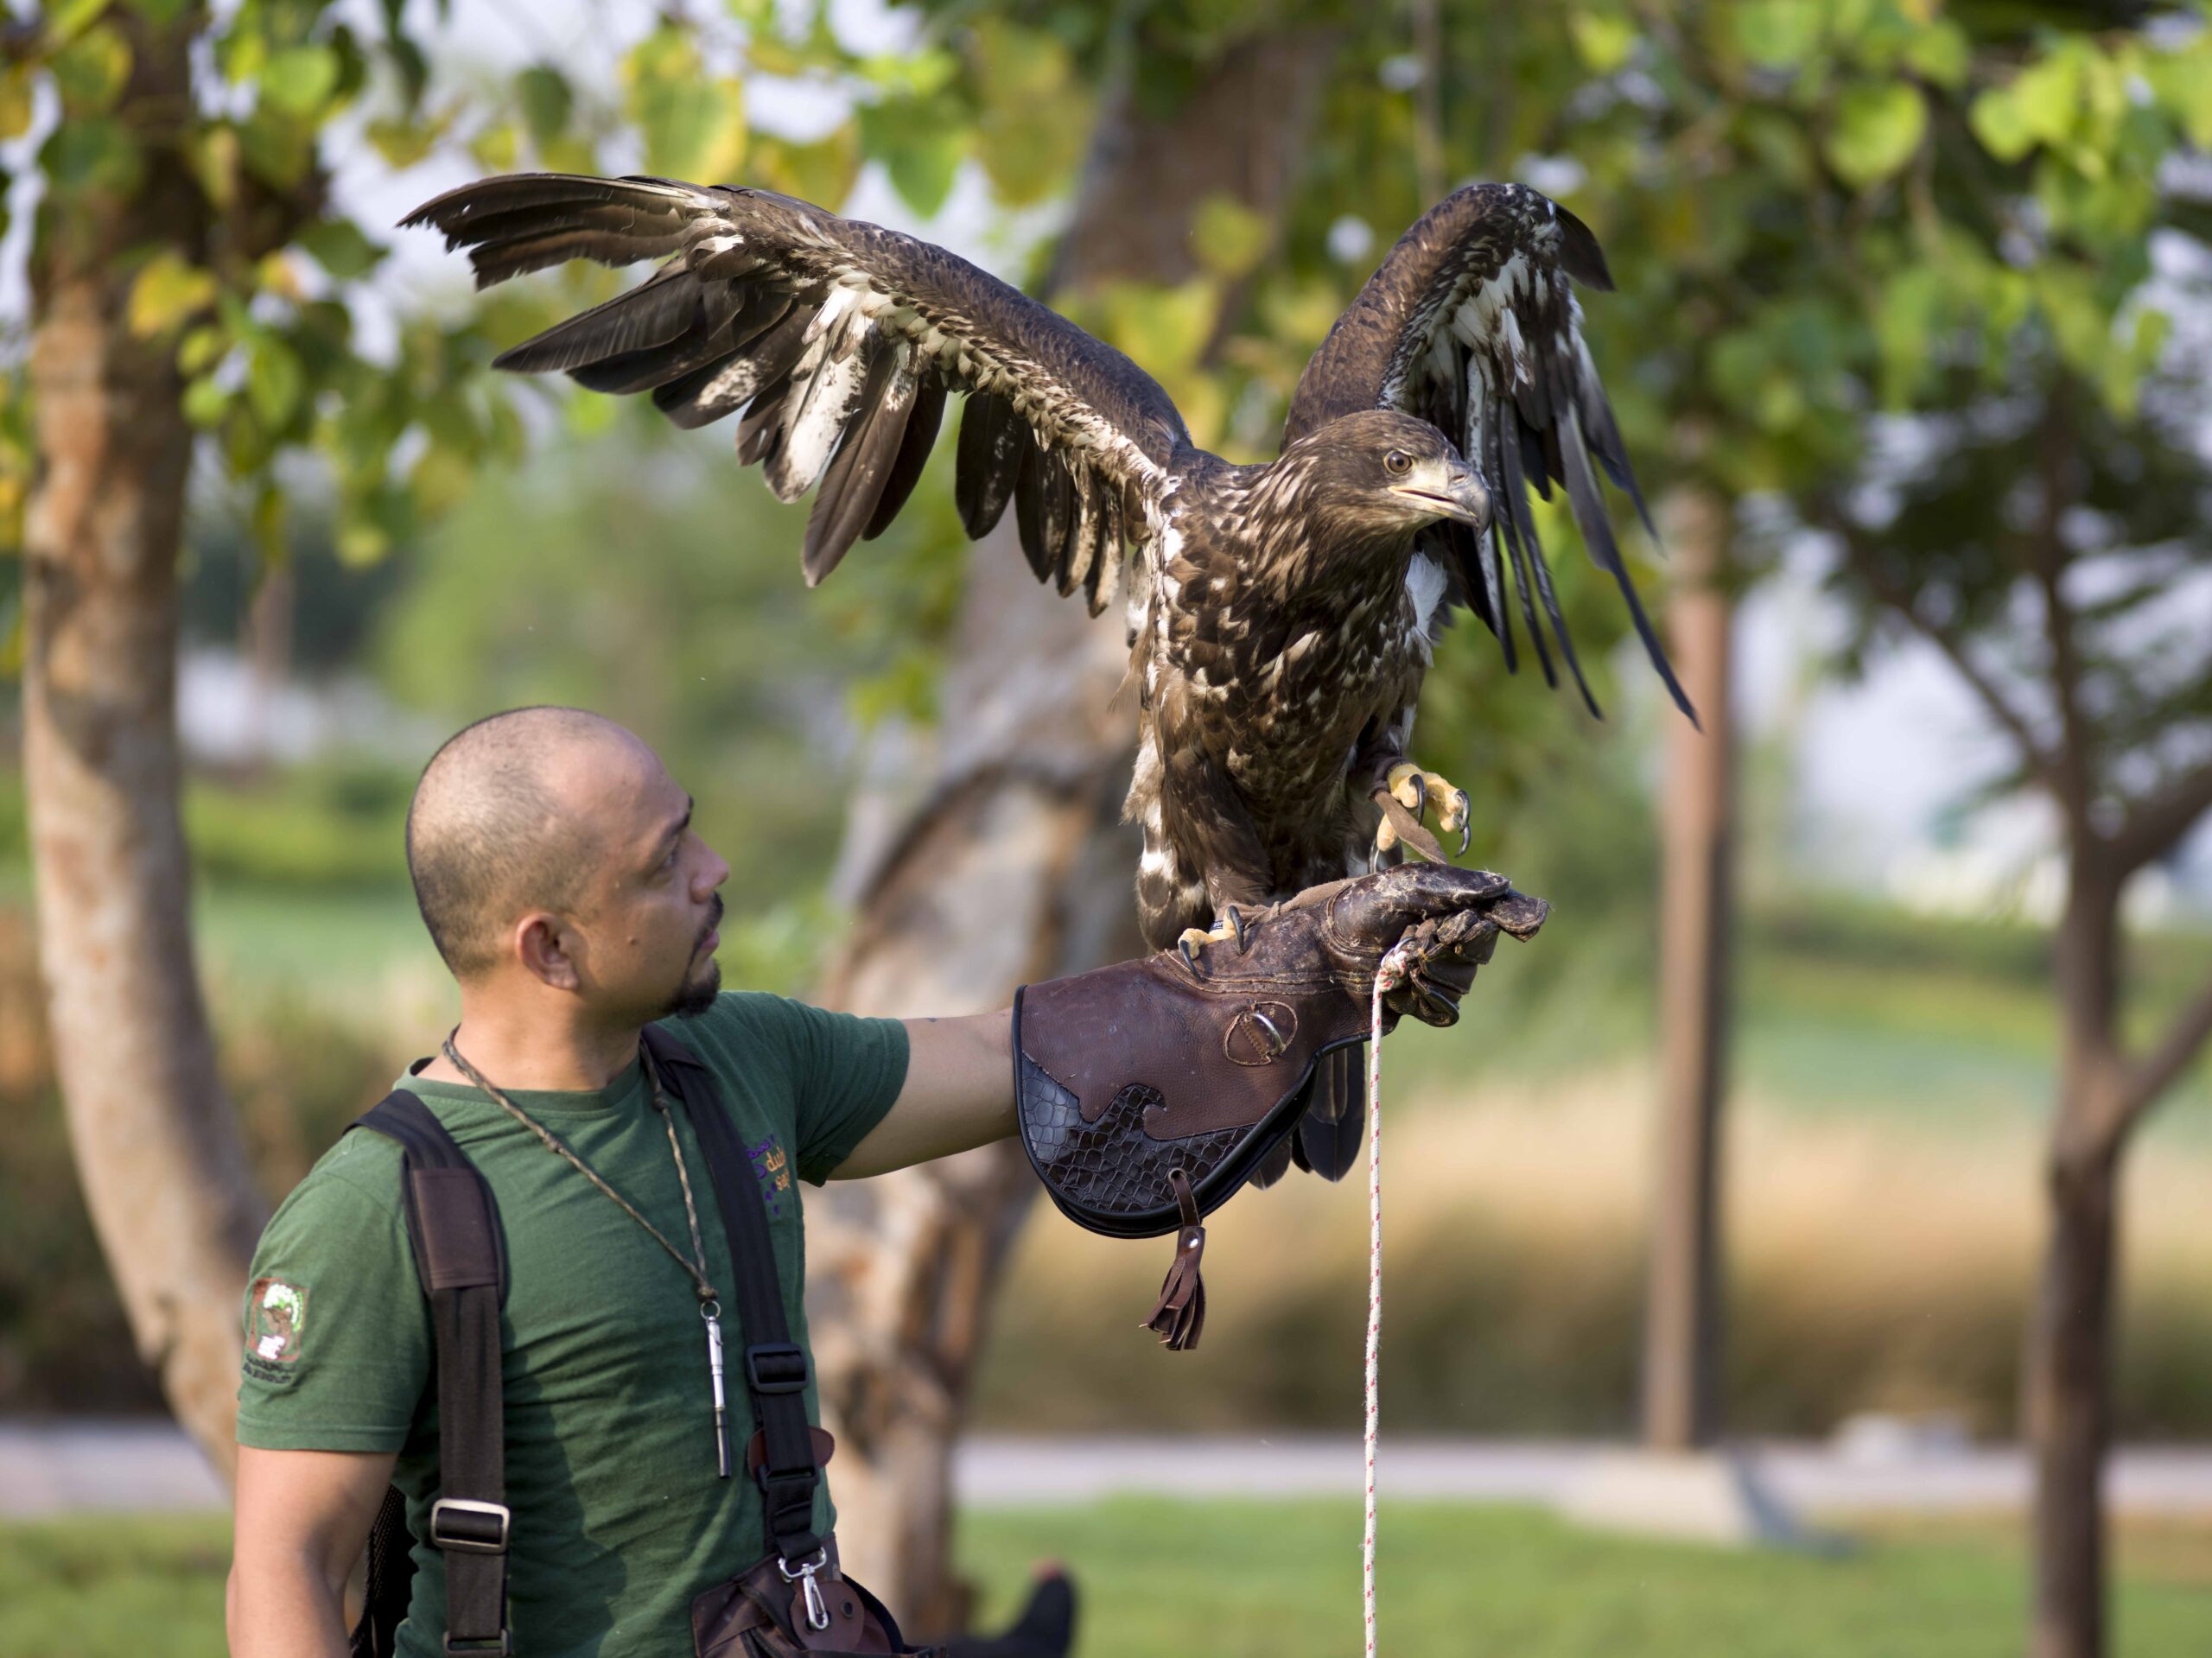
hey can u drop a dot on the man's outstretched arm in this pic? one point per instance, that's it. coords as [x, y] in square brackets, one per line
[958, 1094]
[303, 1519]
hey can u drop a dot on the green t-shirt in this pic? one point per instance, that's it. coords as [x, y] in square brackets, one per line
[620, 1519]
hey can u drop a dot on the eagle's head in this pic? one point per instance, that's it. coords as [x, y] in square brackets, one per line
[1379, 471]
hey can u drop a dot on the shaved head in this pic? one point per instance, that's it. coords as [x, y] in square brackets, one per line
[502, 823]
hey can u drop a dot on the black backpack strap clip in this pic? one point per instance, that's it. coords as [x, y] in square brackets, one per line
[775, 1368]
[454, 1224]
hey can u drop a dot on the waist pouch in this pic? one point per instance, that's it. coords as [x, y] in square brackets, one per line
[771, 1611]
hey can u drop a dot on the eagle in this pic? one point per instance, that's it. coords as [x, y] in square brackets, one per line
[1281, 616]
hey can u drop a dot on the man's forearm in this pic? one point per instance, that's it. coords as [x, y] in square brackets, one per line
[958, 1094]
[285, 1608]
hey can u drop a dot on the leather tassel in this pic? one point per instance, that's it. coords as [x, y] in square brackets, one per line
[1181, 1316]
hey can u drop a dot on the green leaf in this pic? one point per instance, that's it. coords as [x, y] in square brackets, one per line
[203, 347]
[275, 148]
[1604, 40]
[441, 479]
[692, 127]
[274, 381]
[166, 293]
[543, 93]
[922, 172]
[1229, 237]
[404, 141]
[921, 144]
[2048, 94]
[300, 80]
[496, 147]
[340, 247]
[205, 401]
[16, 79]
[1940, 52]
[67, 18]
[1778, 34]
[1877, 129]
[90, 71]
[96, 156]
[2182, 81]
[2001, 125]
[822, 171]
[160, 13]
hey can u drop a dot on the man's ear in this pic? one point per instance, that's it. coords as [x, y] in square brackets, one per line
[541, 941]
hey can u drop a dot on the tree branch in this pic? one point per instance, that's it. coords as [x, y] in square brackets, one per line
[1895, 597]
[2161, 1068]
[2073, 774]
[2154, 826]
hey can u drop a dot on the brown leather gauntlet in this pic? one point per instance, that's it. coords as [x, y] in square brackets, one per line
[1148, 1091]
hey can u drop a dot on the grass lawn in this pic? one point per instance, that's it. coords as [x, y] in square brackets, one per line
[1281, 1580]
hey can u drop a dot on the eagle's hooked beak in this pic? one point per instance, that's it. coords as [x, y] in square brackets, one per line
[1458, 494]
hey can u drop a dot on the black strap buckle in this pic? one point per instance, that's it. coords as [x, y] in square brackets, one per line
[461, 1525]
[499, 1646]
[776, 1367]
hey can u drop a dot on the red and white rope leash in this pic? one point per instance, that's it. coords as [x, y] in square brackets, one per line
[1389, 975]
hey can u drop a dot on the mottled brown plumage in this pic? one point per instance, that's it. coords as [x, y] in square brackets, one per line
[1281, 616]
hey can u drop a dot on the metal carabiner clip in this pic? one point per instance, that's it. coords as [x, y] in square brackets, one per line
[818, 1610]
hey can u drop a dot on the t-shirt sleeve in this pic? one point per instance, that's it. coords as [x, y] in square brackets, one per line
[848, 1069]
[337, 1336]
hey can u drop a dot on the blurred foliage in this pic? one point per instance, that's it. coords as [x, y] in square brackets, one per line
[298, 1074]
[334, 604]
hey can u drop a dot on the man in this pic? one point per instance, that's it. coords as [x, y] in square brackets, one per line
[559, 875]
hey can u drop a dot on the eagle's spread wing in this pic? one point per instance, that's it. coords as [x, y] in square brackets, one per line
[1469, 323]
[840, 340]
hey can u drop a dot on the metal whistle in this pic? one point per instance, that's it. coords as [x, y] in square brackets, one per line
[712, 1313]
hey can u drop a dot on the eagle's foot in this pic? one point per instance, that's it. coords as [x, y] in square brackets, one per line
[1232, 925]
[1417, 791]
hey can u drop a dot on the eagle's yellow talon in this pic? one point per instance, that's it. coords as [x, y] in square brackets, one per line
[1194, 939]
[1421, 792]
[1411, 785]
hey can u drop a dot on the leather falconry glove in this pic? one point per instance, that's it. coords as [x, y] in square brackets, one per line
[1150, 1090]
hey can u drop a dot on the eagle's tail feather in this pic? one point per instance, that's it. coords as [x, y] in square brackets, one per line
[1276, 1163]
[1329, 1133]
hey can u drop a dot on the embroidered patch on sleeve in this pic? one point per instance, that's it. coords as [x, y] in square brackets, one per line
[772, 1169]
[277, 1312]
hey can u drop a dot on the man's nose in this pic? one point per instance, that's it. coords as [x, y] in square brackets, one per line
[712, 874]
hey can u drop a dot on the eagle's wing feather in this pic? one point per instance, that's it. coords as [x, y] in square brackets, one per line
[840, 340]
[1470, 323]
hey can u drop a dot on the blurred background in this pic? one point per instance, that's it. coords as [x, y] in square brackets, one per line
[1848, 1131]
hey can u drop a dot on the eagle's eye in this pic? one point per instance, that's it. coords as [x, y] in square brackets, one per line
[1397, 463]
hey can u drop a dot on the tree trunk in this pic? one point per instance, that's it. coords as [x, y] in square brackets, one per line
[1683, 1322]
[157, 1146]
[2067, 1384]
[1013, 866]
[2070, 1413]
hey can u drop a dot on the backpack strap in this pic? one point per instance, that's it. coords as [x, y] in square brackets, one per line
[454, 1225]
[776, 1369]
